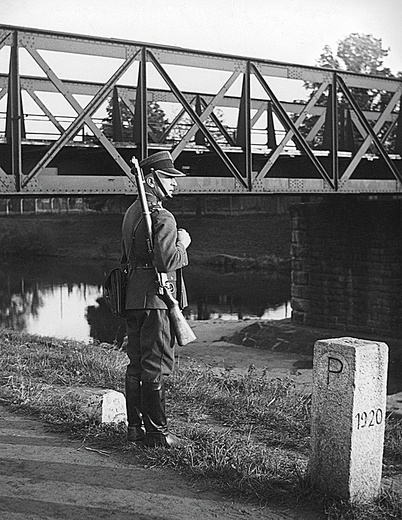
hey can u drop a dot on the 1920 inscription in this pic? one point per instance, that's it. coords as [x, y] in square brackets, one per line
[369, 419]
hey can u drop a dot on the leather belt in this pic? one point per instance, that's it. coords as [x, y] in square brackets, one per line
[137, 266]
[142, 265]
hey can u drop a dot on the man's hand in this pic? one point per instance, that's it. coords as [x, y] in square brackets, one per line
[183, 237]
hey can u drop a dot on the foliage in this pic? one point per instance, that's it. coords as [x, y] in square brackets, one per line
[157, 121]
[360, 53]
[185, 123]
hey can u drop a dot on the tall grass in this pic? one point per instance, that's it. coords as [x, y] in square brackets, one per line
[37, 373]
[269, 410]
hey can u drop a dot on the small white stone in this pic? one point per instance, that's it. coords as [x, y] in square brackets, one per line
[114, 407]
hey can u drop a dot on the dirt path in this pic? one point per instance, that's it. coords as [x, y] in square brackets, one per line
[44, 476]
[213, 350]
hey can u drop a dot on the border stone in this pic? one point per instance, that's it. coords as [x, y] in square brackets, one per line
[348, 417]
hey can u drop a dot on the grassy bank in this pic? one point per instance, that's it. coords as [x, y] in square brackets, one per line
[252, 241]
[248, 435]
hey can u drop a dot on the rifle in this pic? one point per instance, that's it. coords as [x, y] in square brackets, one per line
[182, 329]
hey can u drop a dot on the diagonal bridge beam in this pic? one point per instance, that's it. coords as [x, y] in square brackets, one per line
[208, 111]
[197, 120]
[290, 133]
[82, 117]
[371, 132]
[288, 123]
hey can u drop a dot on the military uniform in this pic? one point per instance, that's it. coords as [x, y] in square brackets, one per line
[169, 255]
[142, 291]
[151, 339]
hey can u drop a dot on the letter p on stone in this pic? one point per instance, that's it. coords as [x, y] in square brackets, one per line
[335, 366]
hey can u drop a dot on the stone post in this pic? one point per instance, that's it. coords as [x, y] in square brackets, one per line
[348, 417]
[97, 404]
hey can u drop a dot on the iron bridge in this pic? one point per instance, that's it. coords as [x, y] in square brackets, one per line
[74, 110]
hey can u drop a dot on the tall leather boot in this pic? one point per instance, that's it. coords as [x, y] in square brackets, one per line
[154, 416]
[135, 431]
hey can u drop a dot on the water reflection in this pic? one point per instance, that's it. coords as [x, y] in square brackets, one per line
[63, 312]
[61, 298]
[47, 296]
[238, 296]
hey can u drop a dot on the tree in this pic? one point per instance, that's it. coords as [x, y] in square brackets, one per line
[157, 120]
[360, 53]
[158, 123]
[214, 123]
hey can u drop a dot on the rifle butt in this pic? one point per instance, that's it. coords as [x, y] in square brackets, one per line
[182, 329]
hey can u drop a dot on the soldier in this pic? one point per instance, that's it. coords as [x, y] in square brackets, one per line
[150, 345]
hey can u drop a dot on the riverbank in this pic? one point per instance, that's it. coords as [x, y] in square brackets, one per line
[277, 349]
[250, 241]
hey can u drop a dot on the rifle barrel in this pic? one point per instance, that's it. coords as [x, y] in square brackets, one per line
[139, 177]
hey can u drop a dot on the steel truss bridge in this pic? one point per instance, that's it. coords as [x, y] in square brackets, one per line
[74, 110]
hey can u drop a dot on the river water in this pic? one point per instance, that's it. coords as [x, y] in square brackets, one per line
[63, 298]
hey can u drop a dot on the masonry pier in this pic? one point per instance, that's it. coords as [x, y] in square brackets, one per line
[346, 265]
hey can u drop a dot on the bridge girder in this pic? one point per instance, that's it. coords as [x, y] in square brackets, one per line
[280, 157]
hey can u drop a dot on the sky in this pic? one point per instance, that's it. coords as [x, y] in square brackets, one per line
[291, 31]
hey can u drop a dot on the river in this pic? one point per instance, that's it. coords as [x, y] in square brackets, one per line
[63, 298]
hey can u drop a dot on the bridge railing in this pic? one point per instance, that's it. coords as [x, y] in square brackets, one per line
[234, 124]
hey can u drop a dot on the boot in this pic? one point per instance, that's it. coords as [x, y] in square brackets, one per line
[135, 431]
[153, 409]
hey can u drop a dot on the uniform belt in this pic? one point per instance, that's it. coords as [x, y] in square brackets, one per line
[138, 266]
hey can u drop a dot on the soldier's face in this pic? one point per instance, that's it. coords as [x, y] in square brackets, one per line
[168, 183]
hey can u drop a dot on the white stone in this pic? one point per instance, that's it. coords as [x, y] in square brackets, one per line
[104, 405]
[348, 417]
[101, 405]
[113, 407]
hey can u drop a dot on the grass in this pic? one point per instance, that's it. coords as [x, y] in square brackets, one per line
[248, 435]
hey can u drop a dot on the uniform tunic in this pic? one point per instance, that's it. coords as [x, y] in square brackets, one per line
[150, 336]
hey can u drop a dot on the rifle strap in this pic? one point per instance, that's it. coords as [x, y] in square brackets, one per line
[160, 185]
[128, 265]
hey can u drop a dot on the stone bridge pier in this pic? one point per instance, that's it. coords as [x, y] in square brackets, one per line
[347, 265]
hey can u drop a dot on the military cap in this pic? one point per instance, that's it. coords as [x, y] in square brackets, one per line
[161, 162]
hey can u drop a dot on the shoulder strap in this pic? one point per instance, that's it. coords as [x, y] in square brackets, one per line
[131, 244]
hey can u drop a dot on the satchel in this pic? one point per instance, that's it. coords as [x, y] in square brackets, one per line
[115, 286]
[114, 291]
